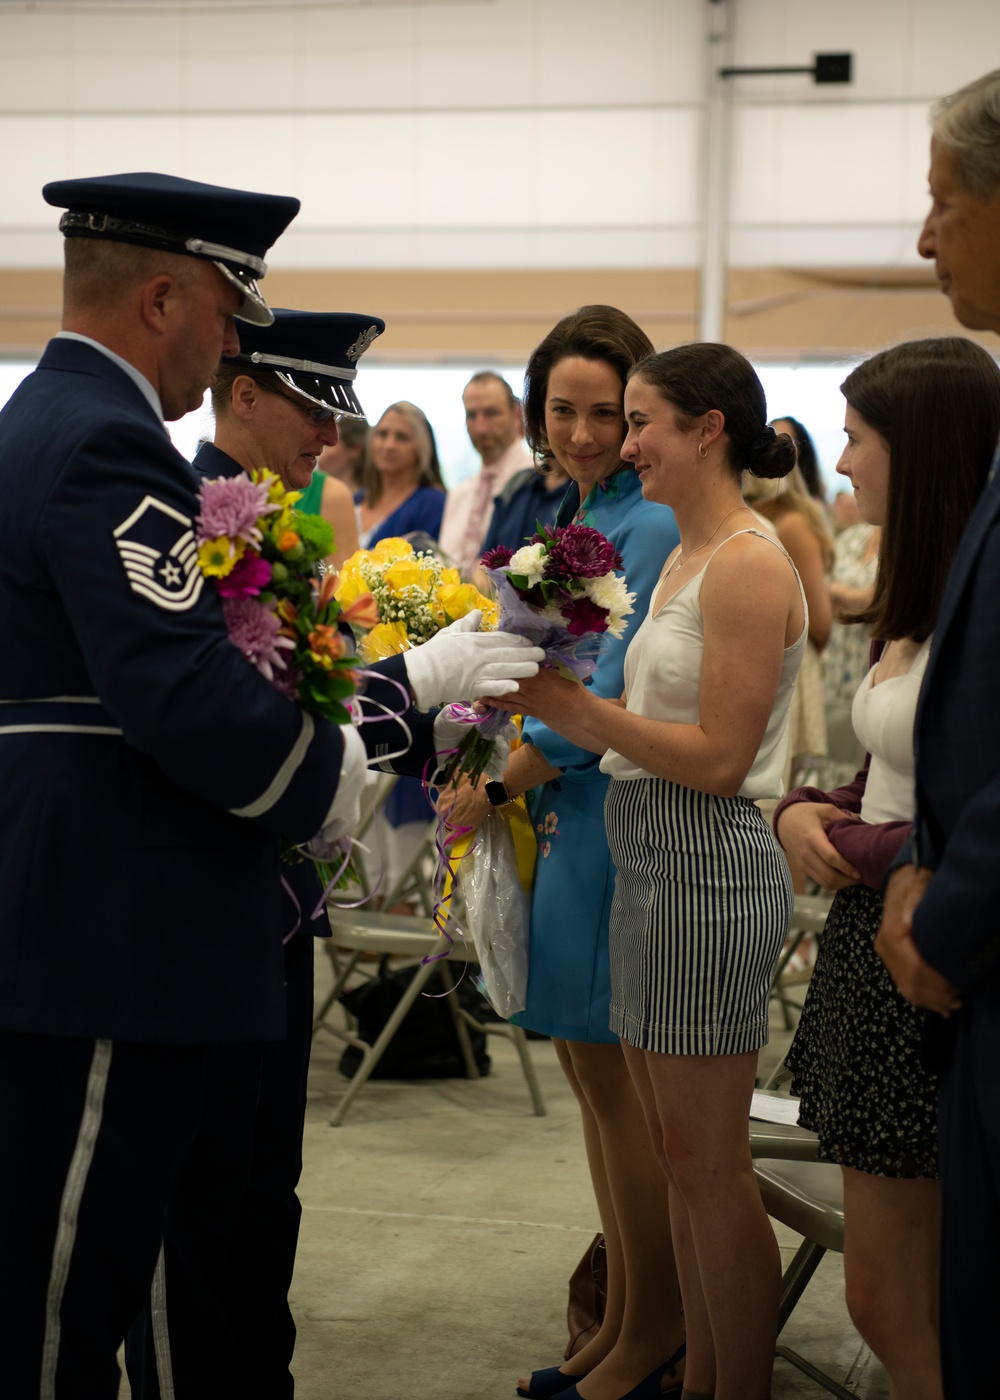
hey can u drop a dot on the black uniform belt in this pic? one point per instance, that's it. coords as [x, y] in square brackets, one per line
[62, 714]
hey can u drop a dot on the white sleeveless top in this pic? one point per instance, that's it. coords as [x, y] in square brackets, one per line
[883, 716]
[663, 679]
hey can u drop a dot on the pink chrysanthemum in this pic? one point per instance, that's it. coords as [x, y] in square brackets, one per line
[231, 506]
[255, 630]
[581, 552]
[246, 578]
[497, 558]
[584, 616]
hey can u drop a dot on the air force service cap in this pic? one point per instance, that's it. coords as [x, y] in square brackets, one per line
[316, 353]
[231, 228]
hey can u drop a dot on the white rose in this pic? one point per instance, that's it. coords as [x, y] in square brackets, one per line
[528, 562]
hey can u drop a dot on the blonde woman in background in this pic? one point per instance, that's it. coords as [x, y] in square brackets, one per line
[401, 487]
[799, 522]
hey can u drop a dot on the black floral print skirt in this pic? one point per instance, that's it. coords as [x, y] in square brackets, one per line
[855, 1059]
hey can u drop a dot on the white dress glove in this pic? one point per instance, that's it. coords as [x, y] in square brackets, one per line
[449, 733]
[460, 663]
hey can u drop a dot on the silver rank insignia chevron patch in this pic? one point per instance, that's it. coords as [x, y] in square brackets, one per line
[158, 549]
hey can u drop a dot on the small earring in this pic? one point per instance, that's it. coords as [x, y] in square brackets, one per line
[702, 450]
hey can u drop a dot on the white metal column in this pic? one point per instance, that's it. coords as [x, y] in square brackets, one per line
[715, 171]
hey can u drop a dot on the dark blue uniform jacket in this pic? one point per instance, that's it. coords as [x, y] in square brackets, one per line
[145, 767]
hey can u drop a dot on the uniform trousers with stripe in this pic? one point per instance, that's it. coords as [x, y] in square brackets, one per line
[702, 905]
[93, 1137]
[218, 1322]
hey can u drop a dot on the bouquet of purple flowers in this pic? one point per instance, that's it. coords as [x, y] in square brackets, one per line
[561, 592]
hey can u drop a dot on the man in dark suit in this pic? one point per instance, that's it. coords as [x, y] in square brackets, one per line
[146, 772]
[940, 936]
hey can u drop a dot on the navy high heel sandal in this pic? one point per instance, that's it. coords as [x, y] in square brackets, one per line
[548, 1382]
[648, 1388]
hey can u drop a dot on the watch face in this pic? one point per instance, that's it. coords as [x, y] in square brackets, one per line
[496, 794]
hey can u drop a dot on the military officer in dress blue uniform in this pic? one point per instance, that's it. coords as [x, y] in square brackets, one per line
[218, 1321]
[146, 772]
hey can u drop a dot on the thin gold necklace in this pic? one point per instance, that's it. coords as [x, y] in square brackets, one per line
[682, 559]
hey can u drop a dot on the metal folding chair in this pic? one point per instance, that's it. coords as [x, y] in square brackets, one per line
[357, 932]
[808, 1196]
[808, 920]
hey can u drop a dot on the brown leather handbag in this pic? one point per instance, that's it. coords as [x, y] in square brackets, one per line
[588, 1292]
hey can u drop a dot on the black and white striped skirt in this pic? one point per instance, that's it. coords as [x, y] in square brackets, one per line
[702, 906]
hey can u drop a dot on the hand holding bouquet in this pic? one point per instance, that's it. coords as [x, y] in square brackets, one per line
[404, 597]
[560, 591]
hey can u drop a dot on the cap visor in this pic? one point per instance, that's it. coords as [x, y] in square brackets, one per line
[336, 394]
[254, 308]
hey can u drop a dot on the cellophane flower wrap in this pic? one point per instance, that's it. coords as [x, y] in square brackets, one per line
[396, 597]
[264, 558]
[561, 592]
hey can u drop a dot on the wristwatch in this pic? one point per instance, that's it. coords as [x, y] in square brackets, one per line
[496, 794]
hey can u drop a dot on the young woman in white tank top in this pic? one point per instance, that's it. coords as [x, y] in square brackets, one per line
[921, 422]
[702, 897]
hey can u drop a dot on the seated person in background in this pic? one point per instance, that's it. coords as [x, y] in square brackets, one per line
[844, 511]
[493, 420]
[805, 457]
[346, 458]
[402, 491]
[330, 498]
[846, 660]
[531, 498]
[799, 523]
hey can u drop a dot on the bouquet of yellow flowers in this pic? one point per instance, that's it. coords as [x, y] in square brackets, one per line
[412, 596]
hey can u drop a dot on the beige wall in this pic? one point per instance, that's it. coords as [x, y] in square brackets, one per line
[500, 315]
[471, 169]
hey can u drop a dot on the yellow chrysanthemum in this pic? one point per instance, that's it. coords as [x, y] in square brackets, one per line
[218, 557]
[353, 564]
[457, 599]
[387, 550]
[408, 573]
[387, 639]
[351, 586]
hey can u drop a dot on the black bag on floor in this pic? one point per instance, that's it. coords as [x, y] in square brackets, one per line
[425, 1045]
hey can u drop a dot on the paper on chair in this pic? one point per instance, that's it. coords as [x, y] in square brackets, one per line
[774, 1108]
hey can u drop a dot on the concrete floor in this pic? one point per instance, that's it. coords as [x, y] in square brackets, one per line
[441, 1223]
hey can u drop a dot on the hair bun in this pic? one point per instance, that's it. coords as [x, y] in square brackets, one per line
[771, 454]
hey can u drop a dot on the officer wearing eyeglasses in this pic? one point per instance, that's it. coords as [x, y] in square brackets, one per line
[218, 1321]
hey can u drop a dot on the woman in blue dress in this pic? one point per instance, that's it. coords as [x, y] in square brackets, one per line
[574, 390]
